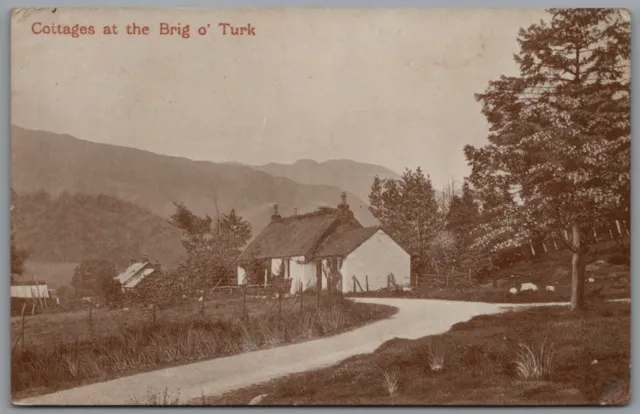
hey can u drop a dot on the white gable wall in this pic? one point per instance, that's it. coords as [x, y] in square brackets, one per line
[301, 272]
[376, 258]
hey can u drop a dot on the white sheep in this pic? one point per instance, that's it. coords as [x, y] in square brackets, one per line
[528, 286]
[184, 296]
[125, 309]
[550, 289]
[513, 291]
[591, 280]
[200, 299]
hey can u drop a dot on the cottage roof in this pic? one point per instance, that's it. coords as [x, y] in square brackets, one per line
[343, 241]
[139, 277]
[29, 291]
[292, 236]
[130, 272]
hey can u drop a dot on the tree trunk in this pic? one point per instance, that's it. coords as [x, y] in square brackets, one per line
[577, 271]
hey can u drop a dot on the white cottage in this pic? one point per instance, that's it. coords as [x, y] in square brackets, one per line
[327, 248]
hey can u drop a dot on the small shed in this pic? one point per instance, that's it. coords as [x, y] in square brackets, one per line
[136, 272]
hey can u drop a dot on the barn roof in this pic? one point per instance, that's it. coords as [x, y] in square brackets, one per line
[344, 240]
[291, 236]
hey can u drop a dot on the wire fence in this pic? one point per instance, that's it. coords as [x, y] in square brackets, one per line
[88, 320]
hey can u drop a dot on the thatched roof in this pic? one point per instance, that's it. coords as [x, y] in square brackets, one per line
[343, 241]
[295, 235]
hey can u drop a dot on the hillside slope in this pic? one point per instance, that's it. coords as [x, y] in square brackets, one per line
[56, 163]
[71, 228]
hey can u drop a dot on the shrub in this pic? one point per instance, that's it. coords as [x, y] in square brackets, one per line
[534, 364]
[390, 382]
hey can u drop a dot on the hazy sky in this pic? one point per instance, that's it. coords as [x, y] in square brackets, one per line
[390, 87]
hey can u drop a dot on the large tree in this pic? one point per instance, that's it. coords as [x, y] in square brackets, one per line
[93, 277]
[462, 219]
[408, 210]
[212, 246]
[559, 141]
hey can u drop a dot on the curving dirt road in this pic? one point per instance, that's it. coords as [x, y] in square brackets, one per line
[415, 318]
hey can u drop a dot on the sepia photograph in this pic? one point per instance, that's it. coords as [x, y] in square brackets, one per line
[320, 206]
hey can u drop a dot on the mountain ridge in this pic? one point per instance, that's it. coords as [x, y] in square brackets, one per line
[43, 160]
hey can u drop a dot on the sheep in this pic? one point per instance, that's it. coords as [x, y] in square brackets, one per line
[513, 291]
[550, 289]
[528, 286]
[591, 280]
[200, 299]
[125, 309]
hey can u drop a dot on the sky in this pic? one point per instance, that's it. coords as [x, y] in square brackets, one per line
[393, 87]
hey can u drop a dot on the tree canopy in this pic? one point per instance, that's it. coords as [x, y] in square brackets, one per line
[559, 141]
[212, 247]
[408, 210]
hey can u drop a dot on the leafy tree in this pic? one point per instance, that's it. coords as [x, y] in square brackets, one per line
[112, 292]
[92, 277]
[211, 250]
[559, 142]
[407, 209]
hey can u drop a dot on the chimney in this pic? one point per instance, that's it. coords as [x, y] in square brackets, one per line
[343, 206]
[275, 216]
[157, 266]
[295, 211]
[145, 258]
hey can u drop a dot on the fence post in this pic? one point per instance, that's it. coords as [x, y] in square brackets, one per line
[22, 334]
[366, 281]
[90, 321]
[301, 296]
[279, 302]
[354, 283]
[244, 301]
[389, 282]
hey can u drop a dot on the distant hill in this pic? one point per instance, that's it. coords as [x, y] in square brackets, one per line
[57, 163]
[75, 227]
[354, 177]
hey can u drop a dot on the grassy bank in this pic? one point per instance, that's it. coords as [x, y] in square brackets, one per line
[145, 347]
[538, 356]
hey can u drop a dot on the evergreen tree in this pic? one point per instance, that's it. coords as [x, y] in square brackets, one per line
[407, 209]
[559, 141]
[212, 250]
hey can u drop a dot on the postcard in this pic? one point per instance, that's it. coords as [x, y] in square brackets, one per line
[320, 206]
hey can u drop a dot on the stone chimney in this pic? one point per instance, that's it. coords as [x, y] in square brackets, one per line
[275, 216]
[144, 258]
[343, 206]
[157, 266]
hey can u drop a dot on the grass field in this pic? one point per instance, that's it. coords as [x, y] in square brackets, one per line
[59, 353]
[539, 356]
[52, 329]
